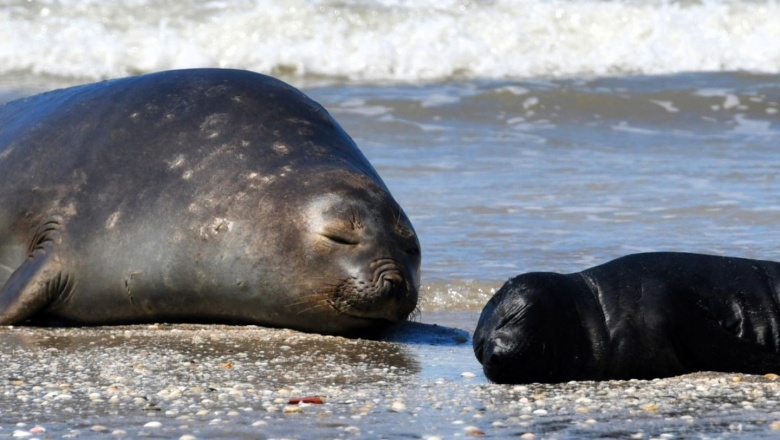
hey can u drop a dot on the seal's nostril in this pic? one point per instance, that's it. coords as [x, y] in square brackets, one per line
[392, 280]
[394, 277]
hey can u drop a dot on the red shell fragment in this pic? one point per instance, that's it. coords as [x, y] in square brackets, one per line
[316, 400]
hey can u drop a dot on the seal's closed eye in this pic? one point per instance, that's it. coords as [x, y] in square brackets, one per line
[341, 238]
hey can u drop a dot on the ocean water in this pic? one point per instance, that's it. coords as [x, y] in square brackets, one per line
[518, 135]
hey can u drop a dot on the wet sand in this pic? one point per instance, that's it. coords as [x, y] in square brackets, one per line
[421, 381]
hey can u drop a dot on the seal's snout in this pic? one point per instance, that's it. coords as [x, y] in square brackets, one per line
[379, 290]
[389, 278]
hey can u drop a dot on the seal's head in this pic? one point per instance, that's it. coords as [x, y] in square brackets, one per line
[530, 331]
[353, 257]
[376, 256]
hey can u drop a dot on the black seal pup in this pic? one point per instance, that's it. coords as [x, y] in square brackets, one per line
[641, 316]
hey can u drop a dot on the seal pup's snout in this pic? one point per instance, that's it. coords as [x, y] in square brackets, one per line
[493, 347]
[495, 353]
[515, 355]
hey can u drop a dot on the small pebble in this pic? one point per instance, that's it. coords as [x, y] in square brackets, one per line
[98, 428]
[291, 409]
[468, 375]
[187, 437]
[528, 435]
[398, 407]
[153, 425]
[474, 431]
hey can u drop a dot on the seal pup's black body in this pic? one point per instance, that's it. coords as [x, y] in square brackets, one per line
[641, 316]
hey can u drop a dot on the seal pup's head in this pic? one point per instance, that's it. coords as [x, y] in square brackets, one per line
[530, 331]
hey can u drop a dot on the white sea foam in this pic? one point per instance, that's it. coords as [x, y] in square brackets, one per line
[390, 39]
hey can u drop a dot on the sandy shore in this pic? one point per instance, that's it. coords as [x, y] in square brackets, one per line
[188, 381]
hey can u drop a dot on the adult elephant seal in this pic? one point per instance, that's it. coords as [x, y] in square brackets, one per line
[196, 196]
[641, 316]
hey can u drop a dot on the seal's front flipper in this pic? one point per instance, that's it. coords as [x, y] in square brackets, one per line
[39, 280]
[33, 286]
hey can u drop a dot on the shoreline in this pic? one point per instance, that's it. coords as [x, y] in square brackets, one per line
[214, 381]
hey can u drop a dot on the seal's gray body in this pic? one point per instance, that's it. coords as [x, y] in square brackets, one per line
[202, 195]
[641, 316]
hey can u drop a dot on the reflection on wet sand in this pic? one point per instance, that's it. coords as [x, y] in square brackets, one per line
[291, 355]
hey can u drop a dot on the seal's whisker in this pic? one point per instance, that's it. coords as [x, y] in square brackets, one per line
[330, 282]
[415, 315]
[309, 299]
[315, 306]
